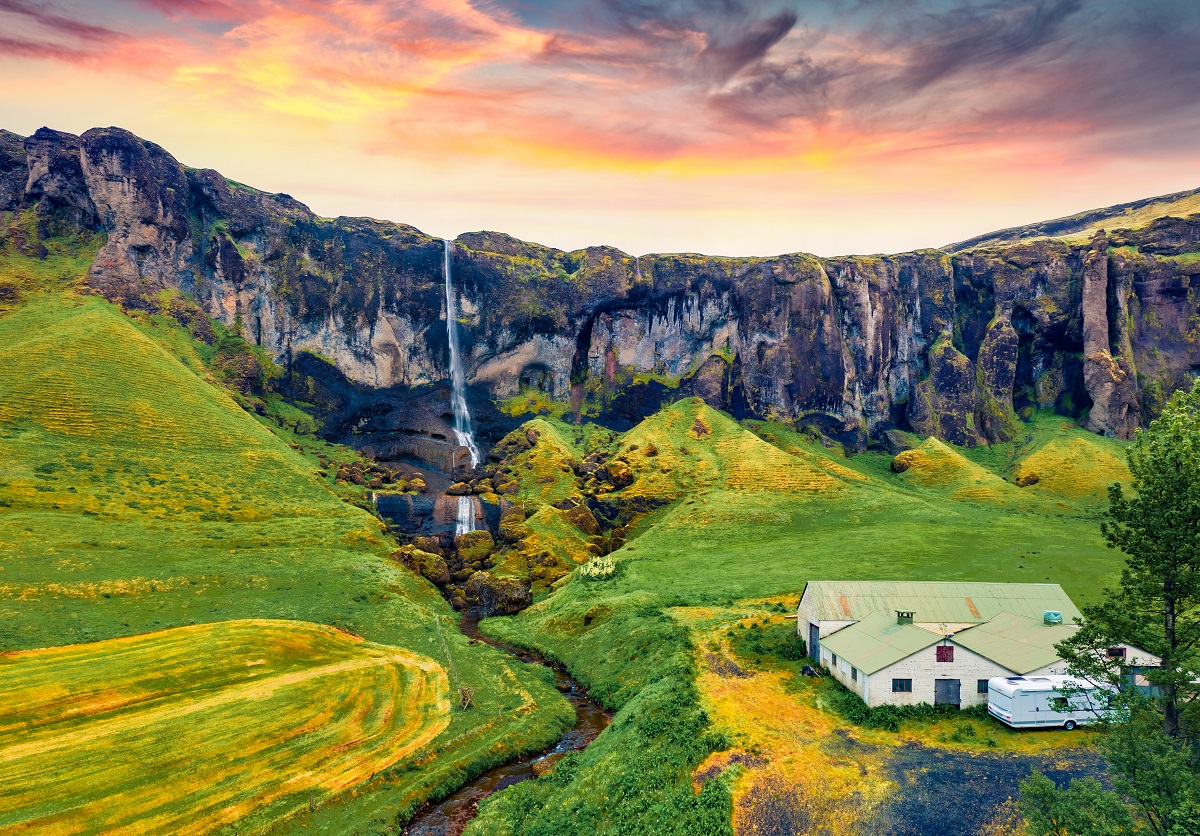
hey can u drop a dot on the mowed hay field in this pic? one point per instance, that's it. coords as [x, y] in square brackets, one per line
[193, 728]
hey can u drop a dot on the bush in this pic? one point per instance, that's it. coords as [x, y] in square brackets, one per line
[886, 717]
[598, 569]
[764, 639]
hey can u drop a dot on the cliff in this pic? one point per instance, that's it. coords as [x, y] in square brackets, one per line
[956, 345]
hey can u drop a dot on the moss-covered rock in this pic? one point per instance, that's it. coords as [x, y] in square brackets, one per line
[427, 565]
[429, 544]
[512, 527]
[943, 404]
[474, 546]
[995, 374]
[619, 473]
[583, 519]
[498, 596]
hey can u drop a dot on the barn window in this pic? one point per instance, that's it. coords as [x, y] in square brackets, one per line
[981, 687]
[834, 657]
[1115, 653]
[854, 674]
[902, 686]
[945, 653]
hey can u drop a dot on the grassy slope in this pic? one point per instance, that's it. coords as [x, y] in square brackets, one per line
[329, 711]
[757, 511]
[764, 518]
[1081, 228]
[135, 496]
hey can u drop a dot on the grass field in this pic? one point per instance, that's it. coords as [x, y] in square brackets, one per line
[137, 496]
[193, 728]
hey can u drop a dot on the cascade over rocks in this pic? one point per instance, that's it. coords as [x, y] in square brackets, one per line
[953, 344]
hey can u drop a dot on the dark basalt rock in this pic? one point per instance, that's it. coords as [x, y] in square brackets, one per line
[949, 344]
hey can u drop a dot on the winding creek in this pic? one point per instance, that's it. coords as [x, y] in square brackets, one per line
[450, 816]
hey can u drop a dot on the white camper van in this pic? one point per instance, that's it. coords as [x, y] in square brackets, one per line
[1040, 702]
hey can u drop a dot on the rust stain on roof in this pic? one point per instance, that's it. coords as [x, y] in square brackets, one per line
[846, 607]
[971, 606]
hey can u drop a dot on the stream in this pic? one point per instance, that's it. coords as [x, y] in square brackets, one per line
[449, 817]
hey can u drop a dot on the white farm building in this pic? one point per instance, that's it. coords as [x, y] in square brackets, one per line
[908, 642]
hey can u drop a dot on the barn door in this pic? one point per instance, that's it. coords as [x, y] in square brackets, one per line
[814, 639]
[946, 692]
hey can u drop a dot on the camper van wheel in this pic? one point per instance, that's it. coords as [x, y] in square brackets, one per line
[1069, 725]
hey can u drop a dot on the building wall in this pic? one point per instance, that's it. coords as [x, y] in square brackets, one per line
[922, 668]
[806, 613]
[842, 673]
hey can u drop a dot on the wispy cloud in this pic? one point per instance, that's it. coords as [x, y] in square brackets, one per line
[655, 80]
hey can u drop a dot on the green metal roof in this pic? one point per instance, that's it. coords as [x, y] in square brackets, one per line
[878, 641]
[1017, 642]
[936, 602]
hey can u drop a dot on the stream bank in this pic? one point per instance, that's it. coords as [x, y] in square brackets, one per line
[450, 816]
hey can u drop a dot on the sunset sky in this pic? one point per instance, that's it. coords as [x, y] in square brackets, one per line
[722, 126]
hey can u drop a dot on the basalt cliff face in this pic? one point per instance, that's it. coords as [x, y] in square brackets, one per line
[951, 344]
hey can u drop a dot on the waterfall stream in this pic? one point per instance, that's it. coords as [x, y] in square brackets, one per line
[458, 397]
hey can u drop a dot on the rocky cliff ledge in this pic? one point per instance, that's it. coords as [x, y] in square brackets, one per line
[954, 345]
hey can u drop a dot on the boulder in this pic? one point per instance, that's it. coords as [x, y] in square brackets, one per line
[620, 474]
[429, 566]
[496, 595]
[429, 544]
[903, 461]
[513, 528]
[583, 519]
[474, 545]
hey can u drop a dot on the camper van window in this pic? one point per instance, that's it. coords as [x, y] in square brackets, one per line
[981, 686]
[1059, 703]
[902, 686]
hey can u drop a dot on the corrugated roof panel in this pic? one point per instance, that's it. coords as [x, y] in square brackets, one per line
[950, 602]
[878, 641]
[1017, 642]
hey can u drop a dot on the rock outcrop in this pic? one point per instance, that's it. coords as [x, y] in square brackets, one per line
[954, 345]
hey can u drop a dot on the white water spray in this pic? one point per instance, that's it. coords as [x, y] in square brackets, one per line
[458, 397]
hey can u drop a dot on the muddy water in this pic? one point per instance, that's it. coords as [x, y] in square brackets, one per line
[449, 817]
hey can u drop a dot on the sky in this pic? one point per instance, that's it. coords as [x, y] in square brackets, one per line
[733, 127]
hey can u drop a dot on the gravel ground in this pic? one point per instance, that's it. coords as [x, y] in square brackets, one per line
[950, 793]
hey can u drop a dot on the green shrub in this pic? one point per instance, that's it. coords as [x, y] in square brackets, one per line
[764, 639]
[887, 717]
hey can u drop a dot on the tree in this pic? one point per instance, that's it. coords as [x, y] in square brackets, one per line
[1157, 606]
[1153, 744]
[1159, 774]
[1084, 808]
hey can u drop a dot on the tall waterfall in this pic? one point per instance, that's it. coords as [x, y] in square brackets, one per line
[458, 398]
